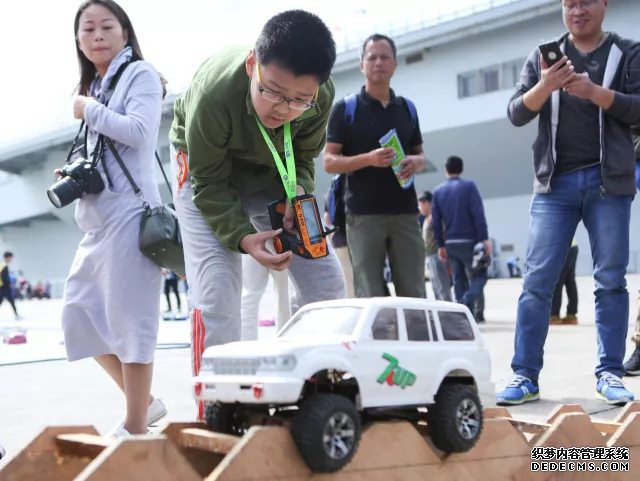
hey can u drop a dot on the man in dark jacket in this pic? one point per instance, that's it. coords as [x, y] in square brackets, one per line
[584, 164]
[457, 207]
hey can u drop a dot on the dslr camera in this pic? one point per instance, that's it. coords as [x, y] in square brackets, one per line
[77, 179]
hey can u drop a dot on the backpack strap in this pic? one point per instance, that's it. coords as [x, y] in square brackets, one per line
[350, 101]
[412, 111]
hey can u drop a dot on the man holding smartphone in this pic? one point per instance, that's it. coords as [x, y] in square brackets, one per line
[584, 164]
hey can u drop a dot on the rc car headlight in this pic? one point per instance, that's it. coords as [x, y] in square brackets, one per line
[207, 363]
[278, 363]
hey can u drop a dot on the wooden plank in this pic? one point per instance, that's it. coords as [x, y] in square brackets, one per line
[82, 445]
[208, 440]
[39, 459]
[204, 462]
[140, 458]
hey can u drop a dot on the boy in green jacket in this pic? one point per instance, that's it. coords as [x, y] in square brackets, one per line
[240, 101]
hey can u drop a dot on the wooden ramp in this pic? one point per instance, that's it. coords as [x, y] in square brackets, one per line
[569, 446]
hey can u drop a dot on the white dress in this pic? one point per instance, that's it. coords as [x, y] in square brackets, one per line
[111, 302]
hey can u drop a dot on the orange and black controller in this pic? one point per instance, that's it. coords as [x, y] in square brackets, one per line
[312, 242]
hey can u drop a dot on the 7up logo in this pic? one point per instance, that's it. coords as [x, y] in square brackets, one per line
[394, 374]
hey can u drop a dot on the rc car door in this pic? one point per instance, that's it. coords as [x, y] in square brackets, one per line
[384, 379]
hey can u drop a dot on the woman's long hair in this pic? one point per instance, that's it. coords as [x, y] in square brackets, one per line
[88, 70]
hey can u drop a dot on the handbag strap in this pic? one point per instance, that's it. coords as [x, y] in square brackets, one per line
[122, 165]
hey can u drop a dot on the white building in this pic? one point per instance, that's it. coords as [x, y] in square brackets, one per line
[460, 72]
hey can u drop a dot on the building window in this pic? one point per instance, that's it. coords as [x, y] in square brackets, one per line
[467, 85]
[490, 78]
[511, 73]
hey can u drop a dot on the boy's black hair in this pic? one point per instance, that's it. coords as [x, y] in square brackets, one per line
[8, 254]
[376, 37]
[298, 41]
[454, 165]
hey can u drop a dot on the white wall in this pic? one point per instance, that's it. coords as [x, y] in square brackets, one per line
[432, 83]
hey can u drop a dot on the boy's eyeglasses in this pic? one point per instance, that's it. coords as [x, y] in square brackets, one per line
[277, 98]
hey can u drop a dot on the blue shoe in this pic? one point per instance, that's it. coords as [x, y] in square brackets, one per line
[520, 390]
[611, 390]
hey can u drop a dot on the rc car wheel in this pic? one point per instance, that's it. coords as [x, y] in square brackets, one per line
[223, 418]
[326, 431]
[456, 420]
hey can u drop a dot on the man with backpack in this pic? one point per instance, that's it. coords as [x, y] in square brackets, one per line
[381, 214]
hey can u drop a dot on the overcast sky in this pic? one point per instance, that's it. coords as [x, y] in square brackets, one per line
[39, 65]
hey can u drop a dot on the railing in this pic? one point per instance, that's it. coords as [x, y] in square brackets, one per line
[423, 19]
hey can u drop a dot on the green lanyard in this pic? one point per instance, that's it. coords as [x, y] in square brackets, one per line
[289, 174]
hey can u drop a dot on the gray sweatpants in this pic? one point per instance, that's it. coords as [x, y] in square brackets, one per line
[214, 273]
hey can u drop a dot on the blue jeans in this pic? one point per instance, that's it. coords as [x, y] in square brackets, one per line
[468, 283]
[554, 217]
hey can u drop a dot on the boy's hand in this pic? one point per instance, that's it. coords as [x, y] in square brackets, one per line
[255, 246]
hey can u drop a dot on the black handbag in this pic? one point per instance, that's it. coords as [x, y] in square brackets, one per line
[160, 238]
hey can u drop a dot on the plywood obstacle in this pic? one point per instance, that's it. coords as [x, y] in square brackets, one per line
[388, 451]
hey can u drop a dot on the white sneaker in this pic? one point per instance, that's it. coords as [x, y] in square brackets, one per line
[157, 410]
[123, 433]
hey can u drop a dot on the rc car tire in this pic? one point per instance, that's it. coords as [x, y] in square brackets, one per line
[455, 421]
[221, 418]
[326, 430]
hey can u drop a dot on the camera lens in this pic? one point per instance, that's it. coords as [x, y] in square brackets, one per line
[65, 191]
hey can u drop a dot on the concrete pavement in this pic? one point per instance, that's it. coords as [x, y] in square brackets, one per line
[41, 394]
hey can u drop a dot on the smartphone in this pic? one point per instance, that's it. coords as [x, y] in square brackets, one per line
[551, 52]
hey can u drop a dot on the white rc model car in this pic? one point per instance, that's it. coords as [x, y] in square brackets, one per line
[338, 365]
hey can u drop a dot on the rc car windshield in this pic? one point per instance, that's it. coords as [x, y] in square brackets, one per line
[340, 321]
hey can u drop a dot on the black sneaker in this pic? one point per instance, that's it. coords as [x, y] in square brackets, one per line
[632, 366]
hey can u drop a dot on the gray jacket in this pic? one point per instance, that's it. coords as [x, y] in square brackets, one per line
[618, 159]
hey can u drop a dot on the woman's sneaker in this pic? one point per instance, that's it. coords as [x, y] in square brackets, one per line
[611, 390]
[157, 410]
[520, 390]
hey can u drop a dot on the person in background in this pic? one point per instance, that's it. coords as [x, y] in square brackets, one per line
[567, 280]
[438, 269]
[513, 264]
[111, 300]
[382, 216]
[6, 288]
[171, 284]
[457, 208]
[255, 279]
